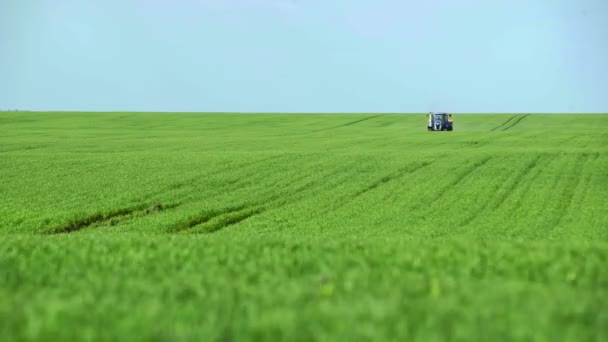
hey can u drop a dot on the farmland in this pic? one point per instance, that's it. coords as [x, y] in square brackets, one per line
[161, 226]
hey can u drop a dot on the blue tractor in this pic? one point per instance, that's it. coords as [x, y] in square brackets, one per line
[440, 122]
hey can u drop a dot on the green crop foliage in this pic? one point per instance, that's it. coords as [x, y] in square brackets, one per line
[301, 227]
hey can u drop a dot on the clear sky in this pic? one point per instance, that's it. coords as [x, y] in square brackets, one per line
[305, 55]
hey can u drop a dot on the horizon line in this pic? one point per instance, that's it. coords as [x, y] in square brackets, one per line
[272, 112]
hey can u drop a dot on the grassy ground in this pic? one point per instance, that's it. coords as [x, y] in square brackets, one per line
[303, 227]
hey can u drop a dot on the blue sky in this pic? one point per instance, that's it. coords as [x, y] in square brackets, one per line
[305, 55]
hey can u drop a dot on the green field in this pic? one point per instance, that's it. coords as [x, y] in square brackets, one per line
[358, 227]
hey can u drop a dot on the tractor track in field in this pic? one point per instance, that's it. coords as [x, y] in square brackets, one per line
[214, 220]
[506, 122]
[176, 187]
[516, 182]
[526, 187]
[586, 181]
[340, 175]
[390, 177]
[460, 178]
[248, 180]
[507, 191]
[569, 192]
[377, 183]
[244, 180]
[349, 123]
[111, 218]
[26, 148]
[555, 193]
[515, 122]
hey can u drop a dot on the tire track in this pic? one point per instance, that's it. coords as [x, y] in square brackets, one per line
[577, 205]
[344, 200]
[516, 182]
[532, 180]
[180, 186]
[231, 218]
[26, 148]
[248, 177]
[324, 183]
[518, 120]
[552, 194]
[506, 122]
[309, 178]
[503, 193]
[204, 218]
[111, 218]
[569, 192]
[390, 177]
[460, 177]
[215, 220]
[349, 123]
[594, 158]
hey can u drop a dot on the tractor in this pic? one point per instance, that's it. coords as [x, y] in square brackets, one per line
[440, 122]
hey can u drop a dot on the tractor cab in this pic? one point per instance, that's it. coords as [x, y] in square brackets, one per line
[440, 122]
